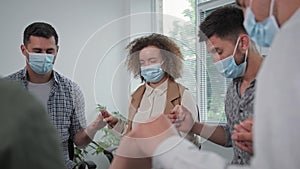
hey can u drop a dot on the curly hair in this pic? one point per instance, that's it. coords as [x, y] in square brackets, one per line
[171, 55]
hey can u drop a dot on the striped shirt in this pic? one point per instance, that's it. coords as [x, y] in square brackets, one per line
[65, 107]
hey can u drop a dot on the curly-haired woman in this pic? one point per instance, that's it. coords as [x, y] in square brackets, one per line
[157, 60]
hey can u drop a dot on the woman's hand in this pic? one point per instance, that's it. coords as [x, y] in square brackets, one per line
[109, 119]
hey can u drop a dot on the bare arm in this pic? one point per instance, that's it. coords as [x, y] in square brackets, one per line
[184, 121]
[81, 138]
[137, 147]
[85, 136]
[215, 134]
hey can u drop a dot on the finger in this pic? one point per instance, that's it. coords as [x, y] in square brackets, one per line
[250, 147]
[247, 125]
[175, 110]
[182, 113]
[239, 128]
[245, 146]
[240, 145]
[249, 120]
[173, 121]
[105, 113]
[108, 119]
[172, 116]
[100, 118]
[242, 136]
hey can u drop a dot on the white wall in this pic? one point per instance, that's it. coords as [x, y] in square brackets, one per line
[92, 37]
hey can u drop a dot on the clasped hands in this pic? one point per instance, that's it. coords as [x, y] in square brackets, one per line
[140, 144]
[96, 125]
[243, 135]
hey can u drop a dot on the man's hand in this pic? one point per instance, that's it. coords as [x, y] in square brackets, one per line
[139, 145]
[182, 118]
[109, 119]
[99, 122]
[96, 125]
[243, 135]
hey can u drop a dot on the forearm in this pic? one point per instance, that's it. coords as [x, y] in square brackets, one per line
[215, 134]
[82, 139]
[85, 136]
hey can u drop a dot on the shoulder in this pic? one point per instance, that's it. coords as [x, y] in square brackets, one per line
[288, 36]
[182, 89]
[64, 81]
[139, 89]
[17, 75]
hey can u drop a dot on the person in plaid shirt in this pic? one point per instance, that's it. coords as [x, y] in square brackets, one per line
[61, 97]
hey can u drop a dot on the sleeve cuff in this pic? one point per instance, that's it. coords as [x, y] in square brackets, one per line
[119, 128]
[228, 136]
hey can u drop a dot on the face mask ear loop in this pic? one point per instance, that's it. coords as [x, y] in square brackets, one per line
[271, 7]
[236, 45]
[246, 55]
[27, 60]
[27, 50]
[162, 65]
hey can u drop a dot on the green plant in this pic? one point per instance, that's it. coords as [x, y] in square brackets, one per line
[108, 139]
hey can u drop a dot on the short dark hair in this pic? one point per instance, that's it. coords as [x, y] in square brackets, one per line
[225, 22]
[40, 29]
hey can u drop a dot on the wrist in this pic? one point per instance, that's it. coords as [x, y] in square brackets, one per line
[195, 128]
[91, 131]
[114, 123]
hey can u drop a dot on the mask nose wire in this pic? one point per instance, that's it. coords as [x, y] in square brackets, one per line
[250, 5]
[271, 7]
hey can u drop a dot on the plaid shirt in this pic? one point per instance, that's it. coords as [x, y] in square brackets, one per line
[65, 108]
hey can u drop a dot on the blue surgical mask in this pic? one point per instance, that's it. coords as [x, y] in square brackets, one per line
[152, 73]
[228, 67]
[41, 63]
[262, 33]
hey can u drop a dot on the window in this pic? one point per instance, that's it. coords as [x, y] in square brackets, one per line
[180, 21]
[214, 86]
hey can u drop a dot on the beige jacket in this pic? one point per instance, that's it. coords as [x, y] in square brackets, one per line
[174, 96]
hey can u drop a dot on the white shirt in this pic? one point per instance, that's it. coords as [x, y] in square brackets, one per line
[40, 91]
[153, 103]
[277, 114]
